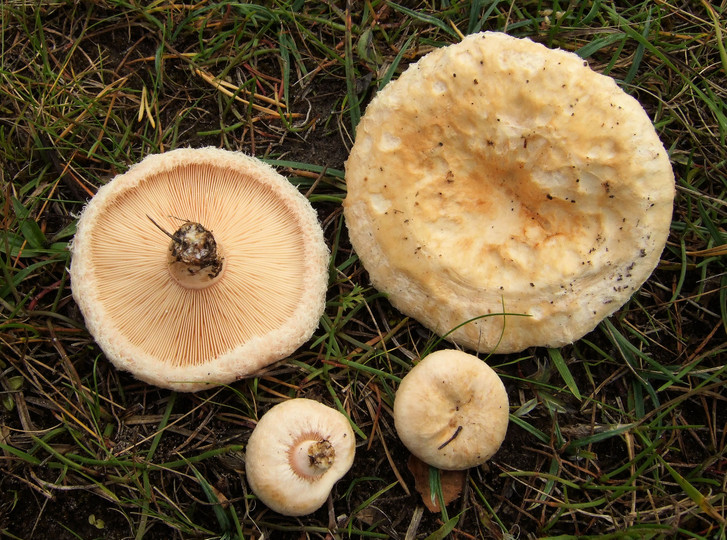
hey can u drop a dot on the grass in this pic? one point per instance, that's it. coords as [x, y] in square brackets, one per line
[621, 434]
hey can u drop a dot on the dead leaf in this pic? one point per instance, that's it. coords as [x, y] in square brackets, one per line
[452, 483]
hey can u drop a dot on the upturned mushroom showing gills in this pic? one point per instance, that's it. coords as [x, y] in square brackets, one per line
[298, 450]
[198, 267]
[497, 176]
[451, 410]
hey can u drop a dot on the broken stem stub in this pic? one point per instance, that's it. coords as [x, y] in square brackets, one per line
[312, 458]
[195, 258]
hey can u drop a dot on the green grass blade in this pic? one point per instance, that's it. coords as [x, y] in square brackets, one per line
[354, 107]
[425, 18]
[560, 364]
[445, 530]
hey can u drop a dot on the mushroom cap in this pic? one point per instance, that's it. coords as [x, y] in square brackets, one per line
[270, 447]
[264, 306]
[451, 410]
[499, 176]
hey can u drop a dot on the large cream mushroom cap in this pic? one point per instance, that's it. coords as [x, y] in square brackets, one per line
[497, 174]
[298, 450]
[266, 301]
[451, 410]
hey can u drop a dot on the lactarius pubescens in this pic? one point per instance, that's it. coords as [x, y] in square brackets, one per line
[198, 267]
[497, 174]
[298, 450]
[451, 410]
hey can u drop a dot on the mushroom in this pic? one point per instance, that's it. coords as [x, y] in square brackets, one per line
[451, 410]
[497, 176]
[198, 267]
[298, 450]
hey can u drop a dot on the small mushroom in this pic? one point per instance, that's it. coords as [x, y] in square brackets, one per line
[451, 410]
[505, 195]
[198, 267]
[298, 450]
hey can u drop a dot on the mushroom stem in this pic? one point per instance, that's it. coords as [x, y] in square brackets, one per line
[311, 458]
[195, 258]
